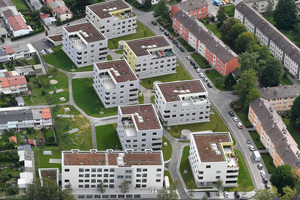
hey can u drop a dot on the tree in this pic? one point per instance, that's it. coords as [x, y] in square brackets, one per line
[219, 80]
[288, 193]
[166, 194]
[264, 52]
[282, 177]
[12, 190]
[295, 110]
[234, 32]
[100, 187]
[124, 187]
[241, 43]
[252, 95]
[269, 9]
[46, 9]
[227, 25]
[285, 14]
[204, 197]
[229, 81]
[147, 4]
[162, 10]
[272, 73]
[219, 185]
[266, 194]
[222, 14]
[248, 61]
[81, 4]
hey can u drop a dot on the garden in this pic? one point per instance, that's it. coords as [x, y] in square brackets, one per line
[107, 137]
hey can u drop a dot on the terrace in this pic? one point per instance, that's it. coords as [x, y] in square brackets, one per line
[230, 157]
[129, 128]
[123, 15]
[77, 42]
[194, 100]
[161, 53]
[107, 81]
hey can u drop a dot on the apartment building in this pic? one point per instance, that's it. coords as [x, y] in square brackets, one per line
[17, 51]
[13, 85]
[280, 97]
[210, 47]
[115, 83]
[273, 133]
[84, 44]
[212, 158]
[260, 5]
[280, 46]
[84, 170]
[153, 2]
[197, 8]
[150, 57]
[23, 117]
[139, 127]
[112, 18]
[182, 102]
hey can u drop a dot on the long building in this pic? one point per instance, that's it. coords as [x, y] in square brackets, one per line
[273, 133]
[197, 8]
[280, 46]
[210, 47]
[84, 170]
[260, 5]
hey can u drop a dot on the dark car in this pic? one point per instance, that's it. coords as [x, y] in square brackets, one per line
[181, 49]
[175, 42]
[154, 23]
[161, 29]
[237, 195]
[192, 63]
[155, 15]
[265, 180]
[233, 93]
[231, 114]
[166, 33]
[207, 194]
[209, 85]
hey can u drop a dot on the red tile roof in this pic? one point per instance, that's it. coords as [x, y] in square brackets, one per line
[13, 81]
[62, 10]
[8, 49]
[31, 141]
[45, 15]
[17, 23]
[13, 139]
[46, 114]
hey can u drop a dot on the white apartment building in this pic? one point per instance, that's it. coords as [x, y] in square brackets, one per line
[112, 18]
[150, 57]
[280, 46]
[212, 158]
[182, 102]
[260, 5]
[115, 83]
[84, 170]
[139, 127]
[84, 44]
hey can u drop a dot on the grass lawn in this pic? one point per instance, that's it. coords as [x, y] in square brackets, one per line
[43, 160]
[167, 150]
[212, 75]
[153, 99]
[255, 137]
[87, 99]
[230, 10]
[141, 98]
[244, 177]
[286, 81]
[186, 45]
[213, 27]
[294, 131]
[167, 173]
[109, 57]
[107, 137]
[20, 4]
[172, 2]
[268, 162]
[271, 20]
[36, 97]
[243, 115]
[181, 74]
[119, 51]
[32, 61]
[141, 32]
[202, 63]
[185, 165]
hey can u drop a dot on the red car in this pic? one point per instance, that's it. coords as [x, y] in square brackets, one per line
[171, 37]
[240, 125]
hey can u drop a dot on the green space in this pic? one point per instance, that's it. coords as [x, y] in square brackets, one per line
[268, 162]
[244, 178]
[185, 165]
[214, 28]
[181, 74]
[119, 51]
[230, 10]
[243, 115]
[294, 131]
[213, 75]
[167, 150]
[202, 63]
[60, 59]
[34, 61]
[167, 173]
[256, 138]
[286, 81]
[172, 2]
[42, 161]
[109, 57]
[167, 24]
[271, 20]
[141, 32]
[186, 45]
[98, 1]
[87, 99]
[153, 99]
[107, 137]
[20, 4]
[141, 97]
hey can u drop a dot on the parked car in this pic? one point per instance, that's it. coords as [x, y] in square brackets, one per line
[154, 23]
[262, 174]
[248, 142]
[161, 29]
[171, 37]
[251, 148]
[43, 52]
[166, 33]
[231, 114]
[205, 80]
[192, 63]
[239, 125]
[236, 194]
[267, 186]
[198, 70]
[188, 58]
[259, 166]
[181, 49]
[201, 75]
[235, 119]
[209, 85]
[226, 195]
[175, 42]
[178, 46]
[233, 93]
[265, 180]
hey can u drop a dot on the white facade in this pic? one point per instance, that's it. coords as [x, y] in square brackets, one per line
[212, 158]
[113, 19]
[182, 102]
[260, 5]
[153, 2]
[139, 127]
[84, 44]
[115, 83]
[84, 170]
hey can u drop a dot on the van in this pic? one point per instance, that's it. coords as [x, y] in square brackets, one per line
[226, 1]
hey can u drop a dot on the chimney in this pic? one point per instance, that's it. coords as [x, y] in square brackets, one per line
[273, 125]
[260, 103]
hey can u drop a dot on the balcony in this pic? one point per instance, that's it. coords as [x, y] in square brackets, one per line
[129, 128]
[194, 100]
[123, 15]
[162, 53]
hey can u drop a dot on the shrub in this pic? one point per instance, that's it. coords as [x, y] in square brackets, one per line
[237, 107]
[43, 92]
[232, 103]
[4, 104]
[12, 190]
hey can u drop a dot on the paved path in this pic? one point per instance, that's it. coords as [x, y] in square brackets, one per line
[147, 94]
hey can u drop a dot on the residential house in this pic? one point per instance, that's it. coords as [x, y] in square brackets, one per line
[59, 10]
[84, 44]
[113, 18]
[47, 19]
[13, 85]
[84, 170]
[16, 51]
[182, 102]
[12, 139]
[212, 158]
[210, 47]
[115, 83]
[25, 158]
[150, 57]
[197, 8]
[280, 46]
[273, 133]
[139, 127]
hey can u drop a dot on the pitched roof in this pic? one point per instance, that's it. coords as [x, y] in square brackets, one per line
[270, 31]
[15, 115]
[17, 23]
[62, 10]
[211, 42]
[191, 5]
[12, 81]
[270, 93]
[5, 3]
[55, 4]
[8, 49]
[46, 114]
[12, 139]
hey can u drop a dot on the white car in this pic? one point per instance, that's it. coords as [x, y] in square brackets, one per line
[205, 80]
[43, 52]
[201, 75]
[188, 58]
[262, 174]
[235, 119]
[251, 148]
[198, 70]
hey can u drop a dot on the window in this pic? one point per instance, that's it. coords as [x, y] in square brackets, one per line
[208, 166]
[67, 180]
[87, 170]
[157, 180]
[93, 169]
[81, 170]
[158, 170]
[67, 170]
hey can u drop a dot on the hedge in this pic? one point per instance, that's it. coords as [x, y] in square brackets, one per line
[28, 35]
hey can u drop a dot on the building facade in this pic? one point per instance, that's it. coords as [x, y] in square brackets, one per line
[150, 57]
[19, 51]
[112, 18]
[280, 46]
[197, 8]
[182, 102]
[84, 170]
[84, 44]
[13, 85]
[139, 127]
[273, 133]
[212, 158]
[260, 5]
[115, 83]
[210, 47]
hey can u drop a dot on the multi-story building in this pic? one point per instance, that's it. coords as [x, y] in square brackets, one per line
[197, 8]
[115, 83]
[150, 57]
[260, 5]
[13, 85]
[182, 102]
[153, 2]
[139, 127]
[210, 47]
[280, 97]
[84, 44]
[280, 46]
[212, 158]
[84, 170]
[113, 18]
[273, 133]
